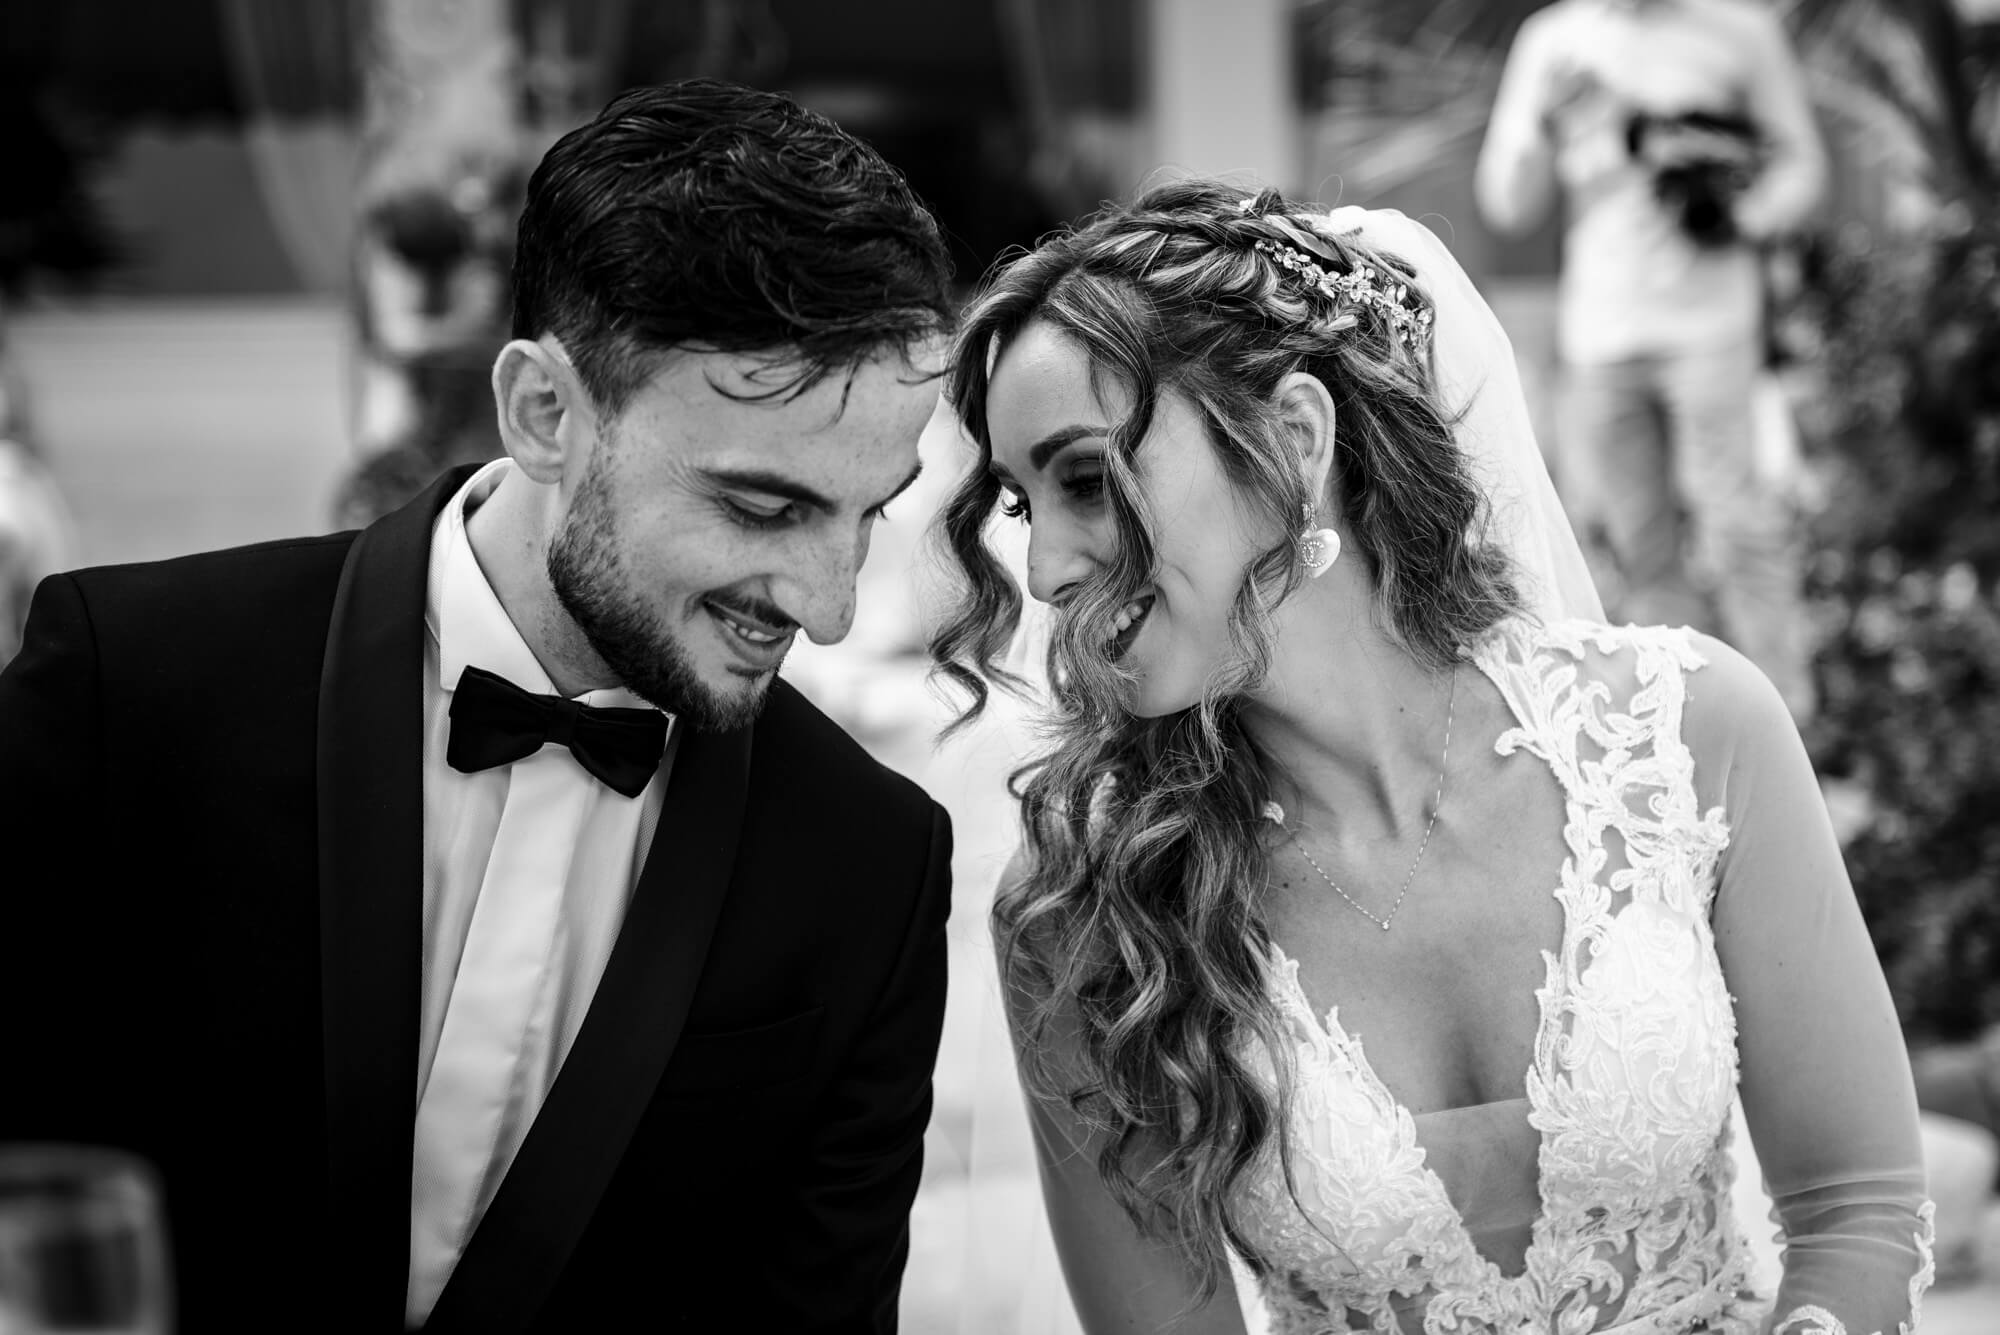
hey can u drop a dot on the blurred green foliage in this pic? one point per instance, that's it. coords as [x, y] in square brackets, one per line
[1906, 587]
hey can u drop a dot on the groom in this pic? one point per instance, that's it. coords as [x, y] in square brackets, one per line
[460, 915]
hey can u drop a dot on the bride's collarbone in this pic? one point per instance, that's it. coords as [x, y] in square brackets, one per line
[1444, 1000]
[1488, 875]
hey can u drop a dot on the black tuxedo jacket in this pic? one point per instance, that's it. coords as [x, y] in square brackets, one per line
[211, 851]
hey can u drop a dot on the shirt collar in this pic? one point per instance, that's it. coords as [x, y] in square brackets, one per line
[464, 615]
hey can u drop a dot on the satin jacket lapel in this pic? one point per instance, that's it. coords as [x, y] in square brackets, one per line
[516, 1255]
[371, 858]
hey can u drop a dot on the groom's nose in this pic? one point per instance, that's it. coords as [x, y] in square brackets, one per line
[819, 593]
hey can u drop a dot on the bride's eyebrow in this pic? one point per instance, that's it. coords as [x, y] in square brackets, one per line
[1048, 446]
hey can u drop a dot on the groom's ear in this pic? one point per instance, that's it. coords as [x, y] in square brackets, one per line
[541, 406]
[1306, 409]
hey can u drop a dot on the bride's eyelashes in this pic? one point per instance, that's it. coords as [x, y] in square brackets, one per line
[1085, 482]
[1081, 483]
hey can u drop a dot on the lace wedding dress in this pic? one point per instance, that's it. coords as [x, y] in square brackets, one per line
[1600, 1202]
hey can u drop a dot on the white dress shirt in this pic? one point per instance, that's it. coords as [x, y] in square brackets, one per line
[528, 869]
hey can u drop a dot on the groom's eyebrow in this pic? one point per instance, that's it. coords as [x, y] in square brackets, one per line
[791, 489]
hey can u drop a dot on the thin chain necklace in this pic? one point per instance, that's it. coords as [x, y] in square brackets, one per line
[1277, 813]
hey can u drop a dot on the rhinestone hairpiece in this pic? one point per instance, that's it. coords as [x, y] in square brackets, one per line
[1358, 286]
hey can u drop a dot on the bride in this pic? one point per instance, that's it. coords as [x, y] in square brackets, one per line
[1386, 926]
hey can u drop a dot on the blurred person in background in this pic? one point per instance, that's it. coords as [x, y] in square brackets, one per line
[1341, 750]
[434, 246]
[52, 233]
[451, 425]
[1681, 140]
[460, 915]
[37, 535]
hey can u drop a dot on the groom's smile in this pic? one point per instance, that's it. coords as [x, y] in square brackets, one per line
[761, 641]
[711, 522]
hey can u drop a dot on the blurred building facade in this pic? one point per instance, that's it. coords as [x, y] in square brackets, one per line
[370, 154]
[233, 141]
[243, 136]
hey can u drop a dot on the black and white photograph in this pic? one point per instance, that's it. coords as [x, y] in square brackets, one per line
[1000, 667]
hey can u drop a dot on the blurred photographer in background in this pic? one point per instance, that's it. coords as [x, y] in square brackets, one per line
[1679, 134]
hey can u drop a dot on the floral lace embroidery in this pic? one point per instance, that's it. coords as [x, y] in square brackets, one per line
[1634, 1067]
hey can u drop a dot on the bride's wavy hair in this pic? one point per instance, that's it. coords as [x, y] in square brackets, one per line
[1133, 943]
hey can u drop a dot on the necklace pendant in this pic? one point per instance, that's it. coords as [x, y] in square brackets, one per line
[1274, 813]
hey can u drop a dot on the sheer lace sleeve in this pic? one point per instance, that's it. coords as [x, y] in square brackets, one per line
[1825, 1077]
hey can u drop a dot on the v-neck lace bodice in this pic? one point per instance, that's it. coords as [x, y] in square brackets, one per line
[1633, 1075]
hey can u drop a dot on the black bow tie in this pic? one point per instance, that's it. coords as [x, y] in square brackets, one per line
[494, 722]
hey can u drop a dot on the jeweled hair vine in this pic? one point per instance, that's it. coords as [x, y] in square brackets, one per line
[1134, 944]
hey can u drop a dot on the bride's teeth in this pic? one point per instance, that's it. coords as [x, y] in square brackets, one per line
[1127, 617]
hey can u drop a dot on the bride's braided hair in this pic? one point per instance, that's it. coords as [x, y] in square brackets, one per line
[1133, 947]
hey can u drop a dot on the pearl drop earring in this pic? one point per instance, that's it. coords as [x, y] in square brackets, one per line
[1319, 548]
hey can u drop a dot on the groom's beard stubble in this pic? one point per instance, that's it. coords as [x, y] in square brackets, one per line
[587, 573]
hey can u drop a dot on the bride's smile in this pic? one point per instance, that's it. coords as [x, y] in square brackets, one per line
[1053, 424]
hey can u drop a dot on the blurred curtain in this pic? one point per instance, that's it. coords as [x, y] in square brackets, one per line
[576, 51]
[442, 81]
[442, 165]
[1398, 94]
[297, 72]
[1074, 69]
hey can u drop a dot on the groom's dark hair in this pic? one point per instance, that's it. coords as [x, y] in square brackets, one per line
[702, 214]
